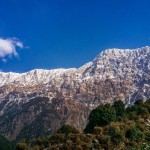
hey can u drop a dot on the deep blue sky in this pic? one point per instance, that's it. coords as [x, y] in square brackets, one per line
[67, 33]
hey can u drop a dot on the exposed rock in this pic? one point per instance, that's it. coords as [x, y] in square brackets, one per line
[70, 94]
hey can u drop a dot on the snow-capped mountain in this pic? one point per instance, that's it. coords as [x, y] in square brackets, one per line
[114, 74]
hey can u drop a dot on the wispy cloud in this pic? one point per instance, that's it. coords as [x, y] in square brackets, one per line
[8, 47]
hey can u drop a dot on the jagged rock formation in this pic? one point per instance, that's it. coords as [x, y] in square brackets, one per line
[68, 95]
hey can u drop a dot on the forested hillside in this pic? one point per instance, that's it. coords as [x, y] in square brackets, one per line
[110, 127]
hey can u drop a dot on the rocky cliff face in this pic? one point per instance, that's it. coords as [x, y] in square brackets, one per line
[40, 101]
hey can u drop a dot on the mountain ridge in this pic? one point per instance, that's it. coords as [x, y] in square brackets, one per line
[114, 74]
[104, 53]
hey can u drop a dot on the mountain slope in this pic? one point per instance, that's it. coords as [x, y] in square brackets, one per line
[114, 74]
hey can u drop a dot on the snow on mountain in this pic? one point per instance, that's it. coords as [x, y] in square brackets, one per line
[114, 64]
[6, 78]
[117, 63]
[33, 77]
[111, 63]
[114, 74]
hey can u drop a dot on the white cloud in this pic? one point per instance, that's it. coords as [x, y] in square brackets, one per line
[8, 47]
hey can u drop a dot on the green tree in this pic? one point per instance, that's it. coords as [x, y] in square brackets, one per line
[120, 108]
[101, 116]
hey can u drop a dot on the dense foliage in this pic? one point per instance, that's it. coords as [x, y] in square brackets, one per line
[4, 144]
[101, 116]
[119, 108]
[110, 127]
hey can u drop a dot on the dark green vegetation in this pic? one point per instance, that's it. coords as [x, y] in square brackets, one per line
[4, 144]
[110, 127]
[101, 116]
[67, 129]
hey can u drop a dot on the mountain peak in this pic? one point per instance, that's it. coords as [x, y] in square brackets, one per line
[114, 74]
[115, 53]
[103, 66]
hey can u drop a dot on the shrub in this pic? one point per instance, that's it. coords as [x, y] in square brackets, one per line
[147, 136]
[105, 142]
[86, 146]
[138, 102]
[57, 138]
[98, 130]
[142, 111]
[21, 146]
[134, 134]
[66, 129]
[4, 144]
[120, 108]
[117, 138]
[101, 116]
